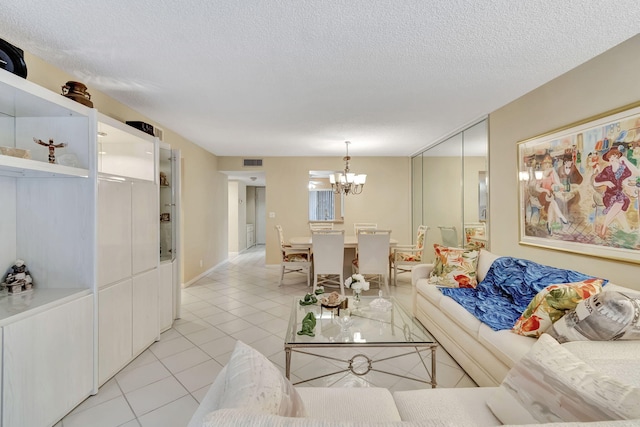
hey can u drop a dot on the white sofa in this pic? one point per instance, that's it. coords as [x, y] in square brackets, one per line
[486, 355]
[250, 391]
[538, 382]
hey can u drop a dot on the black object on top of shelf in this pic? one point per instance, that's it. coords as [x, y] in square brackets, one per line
[144, 127]
[12, 59]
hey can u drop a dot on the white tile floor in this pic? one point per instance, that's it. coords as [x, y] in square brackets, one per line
[240, 300]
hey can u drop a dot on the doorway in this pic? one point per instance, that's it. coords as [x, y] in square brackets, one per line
[261, 215]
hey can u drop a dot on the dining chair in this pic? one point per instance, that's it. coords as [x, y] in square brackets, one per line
[293, 260]
[328, 258]
[404, 257]
[364, 225]
[449, 235]
[373, 256]
[320, 226]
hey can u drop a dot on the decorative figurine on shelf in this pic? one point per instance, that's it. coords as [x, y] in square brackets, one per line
[164, 182]
[78, 92]
[52, 148]
[18, 278]
[308, 324]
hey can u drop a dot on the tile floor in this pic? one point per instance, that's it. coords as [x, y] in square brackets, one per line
[239, 300]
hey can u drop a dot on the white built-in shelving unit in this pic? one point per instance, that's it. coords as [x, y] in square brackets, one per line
[48, 219]
[88, 228]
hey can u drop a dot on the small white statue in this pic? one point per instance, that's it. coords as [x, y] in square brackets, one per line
[18, 278]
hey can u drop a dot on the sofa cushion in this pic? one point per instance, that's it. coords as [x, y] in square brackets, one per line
[609, 315]
[551, 303]
[505, 345]
[430, 292]
[458, 314]
[454, 267]
[463, 406]
[550, 384]
[243, 417]
[253, 382]
[346, 404]
[485, 259]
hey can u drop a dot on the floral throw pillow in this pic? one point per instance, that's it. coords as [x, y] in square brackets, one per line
[454, 267]
[553, 302]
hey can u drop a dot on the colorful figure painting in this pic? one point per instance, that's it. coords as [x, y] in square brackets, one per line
[579, 187]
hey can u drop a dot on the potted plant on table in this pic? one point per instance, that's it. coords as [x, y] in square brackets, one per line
[357, 283]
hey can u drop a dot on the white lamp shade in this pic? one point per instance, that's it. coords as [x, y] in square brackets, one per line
[360, 179]
[332, 178]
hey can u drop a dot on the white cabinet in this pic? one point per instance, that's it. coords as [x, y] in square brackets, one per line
[165, 296]
[145, 223]
[115, 320]
[114, 231]
[48, 219]
[128, 240]
[169, 245]
[146, 328]
[47, 363]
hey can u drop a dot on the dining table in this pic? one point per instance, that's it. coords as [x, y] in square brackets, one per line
[350, 245]
[350, 242]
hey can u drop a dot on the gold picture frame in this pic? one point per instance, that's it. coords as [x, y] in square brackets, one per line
[579, 187]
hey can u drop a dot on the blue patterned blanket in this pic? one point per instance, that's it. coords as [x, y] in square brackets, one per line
[507, 289]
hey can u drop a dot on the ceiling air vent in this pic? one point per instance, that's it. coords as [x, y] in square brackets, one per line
[252, 162]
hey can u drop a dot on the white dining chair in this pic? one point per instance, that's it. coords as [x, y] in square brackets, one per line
[373, 256]
[320, 226]
[364, 226]
[293, 260]
[404, 257]
[328, 258]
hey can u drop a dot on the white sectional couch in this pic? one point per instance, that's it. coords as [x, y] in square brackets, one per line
[250, 391]
[486, 355]
[530, 381]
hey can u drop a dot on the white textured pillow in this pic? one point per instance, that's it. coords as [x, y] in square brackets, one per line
[550, 384]
[609, 315]
[253, 382]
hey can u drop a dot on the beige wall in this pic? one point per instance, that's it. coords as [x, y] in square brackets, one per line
[204, 190]
[606, 82]
[385, 199]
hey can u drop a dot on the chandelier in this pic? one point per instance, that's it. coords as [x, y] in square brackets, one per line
[347, 182]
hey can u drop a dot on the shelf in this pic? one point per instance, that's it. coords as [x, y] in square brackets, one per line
[19, 306]
[15, 166]
[22, 98]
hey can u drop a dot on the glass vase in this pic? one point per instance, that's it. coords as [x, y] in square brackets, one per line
[356, 297]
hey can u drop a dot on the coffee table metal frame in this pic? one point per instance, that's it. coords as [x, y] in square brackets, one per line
[405, 332]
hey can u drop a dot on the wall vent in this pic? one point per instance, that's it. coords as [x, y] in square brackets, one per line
[252, 162]
[158, 133]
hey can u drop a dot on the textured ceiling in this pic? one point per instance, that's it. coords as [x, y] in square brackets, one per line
[299, 77]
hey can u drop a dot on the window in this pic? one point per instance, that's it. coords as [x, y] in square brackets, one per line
[321, 205]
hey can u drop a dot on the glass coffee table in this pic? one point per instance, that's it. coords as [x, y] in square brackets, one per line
[360, 327]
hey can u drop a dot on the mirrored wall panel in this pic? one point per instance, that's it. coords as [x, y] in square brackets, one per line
[450, 190]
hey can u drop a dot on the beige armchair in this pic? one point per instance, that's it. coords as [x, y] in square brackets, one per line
[293, 260]
[404, 257]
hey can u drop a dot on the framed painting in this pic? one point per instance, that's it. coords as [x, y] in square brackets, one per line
[579, 187]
